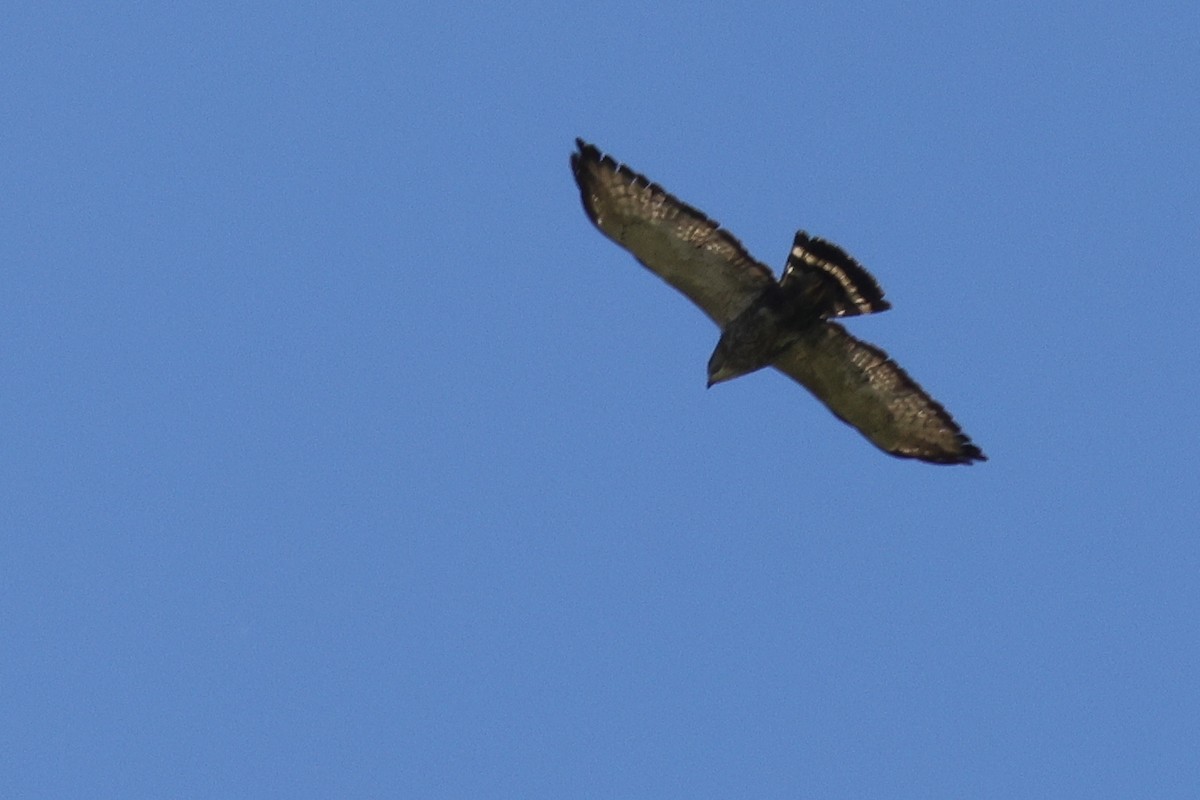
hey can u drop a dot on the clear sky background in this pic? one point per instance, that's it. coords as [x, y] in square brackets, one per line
[340, 456]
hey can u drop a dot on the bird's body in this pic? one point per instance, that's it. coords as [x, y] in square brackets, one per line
[764, 322]
[758, 335]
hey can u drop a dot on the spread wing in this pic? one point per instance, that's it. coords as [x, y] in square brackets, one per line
[870, 392]
[672, 239]
[848, 289]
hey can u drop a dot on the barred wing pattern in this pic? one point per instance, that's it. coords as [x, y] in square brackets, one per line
[867, 390]
[670, 238]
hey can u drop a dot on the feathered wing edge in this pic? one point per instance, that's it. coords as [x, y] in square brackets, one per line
[870, 392]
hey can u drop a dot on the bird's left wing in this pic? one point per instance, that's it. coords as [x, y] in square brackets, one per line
[678, 243]
[870, 392]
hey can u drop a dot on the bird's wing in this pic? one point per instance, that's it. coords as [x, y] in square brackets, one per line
[867, 390]
[847, 288]
[669, 237]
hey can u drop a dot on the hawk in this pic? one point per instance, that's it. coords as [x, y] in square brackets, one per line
[782, 323]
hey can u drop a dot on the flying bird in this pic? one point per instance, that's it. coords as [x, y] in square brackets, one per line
[766, 322]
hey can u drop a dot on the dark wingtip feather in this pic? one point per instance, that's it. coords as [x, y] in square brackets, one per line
[580, 160]
[967, 455]
[971, 453]
[966, 451]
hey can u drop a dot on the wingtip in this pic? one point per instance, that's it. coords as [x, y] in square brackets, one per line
[966, 458]
[968, 451]
[583, 161]
[586, 150]
[966, 454]
[973, 454]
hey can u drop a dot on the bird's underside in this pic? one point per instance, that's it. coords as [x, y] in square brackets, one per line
[784, 324]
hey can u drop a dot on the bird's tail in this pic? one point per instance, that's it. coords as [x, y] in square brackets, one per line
[843, 287]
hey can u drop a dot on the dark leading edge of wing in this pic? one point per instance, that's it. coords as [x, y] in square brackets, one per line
[670, 238]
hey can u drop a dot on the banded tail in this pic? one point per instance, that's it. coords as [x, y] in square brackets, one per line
[847, 289]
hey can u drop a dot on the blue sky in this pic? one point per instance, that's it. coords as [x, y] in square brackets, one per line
[341, 457]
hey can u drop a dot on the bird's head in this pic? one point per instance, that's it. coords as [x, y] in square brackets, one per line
[720, 368]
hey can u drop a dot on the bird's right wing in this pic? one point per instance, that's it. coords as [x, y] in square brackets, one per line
[870, 392]
[678, 243]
